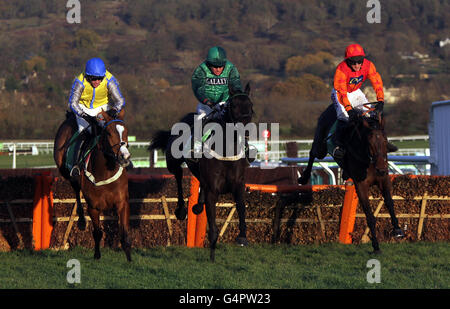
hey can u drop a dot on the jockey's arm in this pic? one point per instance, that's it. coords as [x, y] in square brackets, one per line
[198, 81]
[75, 95]
[118, 101]
[376, 81]
[235, 79]
[340, 84]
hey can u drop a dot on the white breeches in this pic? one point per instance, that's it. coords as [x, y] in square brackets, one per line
[356, 98]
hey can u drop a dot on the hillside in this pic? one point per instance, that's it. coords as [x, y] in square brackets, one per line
[286, 49]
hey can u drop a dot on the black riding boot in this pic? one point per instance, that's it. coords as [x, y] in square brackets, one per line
[76, 169]
[339, 151]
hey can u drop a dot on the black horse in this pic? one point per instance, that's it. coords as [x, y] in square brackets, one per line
[365, 161]
[217, 173]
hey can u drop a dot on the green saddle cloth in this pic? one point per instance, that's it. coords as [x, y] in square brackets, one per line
[73, 155]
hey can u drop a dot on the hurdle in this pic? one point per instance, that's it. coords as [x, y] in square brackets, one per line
[197, 223]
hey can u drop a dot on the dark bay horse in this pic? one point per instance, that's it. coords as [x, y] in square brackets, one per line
[365, 162]
[217, 174]
[103, 180]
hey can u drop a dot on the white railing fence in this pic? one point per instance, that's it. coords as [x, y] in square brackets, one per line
[16, 148]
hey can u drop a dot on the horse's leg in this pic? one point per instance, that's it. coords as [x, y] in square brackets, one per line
[80, 212]
[386, 189]
[97, 233]
[213, 233]
[362, 189]
[123, 211]
[240, 207]
[306, 174]
[198, 208]
[174, 166]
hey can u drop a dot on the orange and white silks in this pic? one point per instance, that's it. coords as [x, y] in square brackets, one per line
[347, 81]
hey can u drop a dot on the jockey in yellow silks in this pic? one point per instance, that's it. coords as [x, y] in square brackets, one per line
[94, 90]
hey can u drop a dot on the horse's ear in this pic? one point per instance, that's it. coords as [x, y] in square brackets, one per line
[121, 114]
[104, 115]
[247, 88]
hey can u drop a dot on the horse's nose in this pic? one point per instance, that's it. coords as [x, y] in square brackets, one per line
[124, 152]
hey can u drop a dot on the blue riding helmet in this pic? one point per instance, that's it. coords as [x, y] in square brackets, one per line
[95, 67]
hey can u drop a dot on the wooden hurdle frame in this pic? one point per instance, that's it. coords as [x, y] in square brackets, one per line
[42, 218]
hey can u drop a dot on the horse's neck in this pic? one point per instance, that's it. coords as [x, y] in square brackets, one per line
[358, 146]
[231, 142]
[100, 165]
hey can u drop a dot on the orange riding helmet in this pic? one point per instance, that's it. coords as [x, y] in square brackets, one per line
[354, 50]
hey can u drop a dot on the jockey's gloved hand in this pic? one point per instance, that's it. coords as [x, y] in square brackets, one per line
[217, 108]
[352, 116]
[209, 103]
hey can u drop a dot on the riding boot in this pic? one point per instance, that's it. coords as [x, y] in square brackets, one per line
[339, 151]
[79, 158]
[389, 146]
[75, 171]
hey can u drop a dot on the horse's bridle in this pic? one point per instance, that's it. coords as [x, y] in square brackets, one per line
[110, 152]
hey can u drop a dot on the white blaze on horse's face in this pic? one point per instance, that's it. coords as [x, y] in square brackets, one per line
[123, 148]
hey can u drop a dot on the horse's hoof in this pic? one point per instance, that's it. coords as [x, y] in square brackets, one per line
[398, 233]
[81, 224]
[242, 241]
[97, 255]
[180, 213]
[197, 209]
[376, 252]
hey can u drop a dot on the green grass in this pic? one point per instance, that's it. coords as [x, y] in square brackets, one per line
[41, 160]
[329, 266]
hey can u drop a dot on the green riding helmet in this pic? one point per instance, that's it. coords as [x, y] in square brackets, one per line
[216, 56]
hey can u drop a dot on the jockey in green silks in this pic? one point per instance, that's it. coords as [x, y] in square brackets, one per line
[211, 84]
[211, 80]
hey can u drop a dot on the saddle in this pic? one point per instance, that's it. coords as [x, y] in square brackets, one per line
[217, 115]
[79, 148]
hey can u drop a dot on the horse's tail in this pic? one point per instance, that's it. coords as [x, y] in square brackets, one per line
[160, 140]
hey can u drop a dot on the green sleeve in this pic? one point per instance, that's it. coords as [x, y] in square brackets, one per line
[235, 79]
[198, 84]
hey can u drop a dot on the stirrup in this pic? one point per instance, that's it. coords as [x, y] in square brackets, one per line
[75, 171]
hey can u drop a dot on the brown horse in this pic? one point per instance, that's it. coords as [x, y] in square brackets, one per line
[365, 161]
[103, 180]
